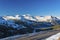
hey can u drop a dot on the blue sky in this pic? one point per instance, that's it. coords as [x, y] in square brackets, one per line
[32, 7]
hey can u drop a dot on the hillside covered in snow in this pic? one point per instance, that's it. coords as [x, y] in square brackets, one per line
[54, 37]
[23, 24]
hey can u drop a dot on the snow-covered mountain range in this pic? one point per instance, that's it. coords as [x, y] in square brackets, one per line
[42, 21]
[33, 18]
[22, 24]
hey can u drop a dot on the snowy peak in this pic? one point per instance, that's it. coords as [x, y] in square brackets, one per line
[11, 17]
[45, 18]
[29, 17]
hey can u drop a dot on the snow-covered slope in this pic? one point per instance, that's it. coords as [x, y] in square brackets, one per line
[10, 23]
[54, 37]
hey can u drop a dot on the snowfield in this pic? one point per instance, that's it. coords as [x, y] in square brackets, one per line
[54, 37]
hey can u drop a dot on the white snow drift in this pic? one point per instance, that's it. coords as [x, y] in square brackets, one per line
[54, 37]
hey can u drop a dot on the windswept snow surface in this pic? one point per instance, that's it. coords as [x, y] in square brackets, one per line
[54, 37]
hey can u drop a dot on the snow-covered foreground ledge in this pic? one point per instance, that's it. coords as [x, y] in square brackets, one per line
[54, 37]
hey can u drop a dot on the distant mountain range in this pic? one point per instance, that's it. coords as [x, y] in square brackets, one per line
[34, 21]
[22, 24]
[33, 18]
[51, 19]
[42, 21]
